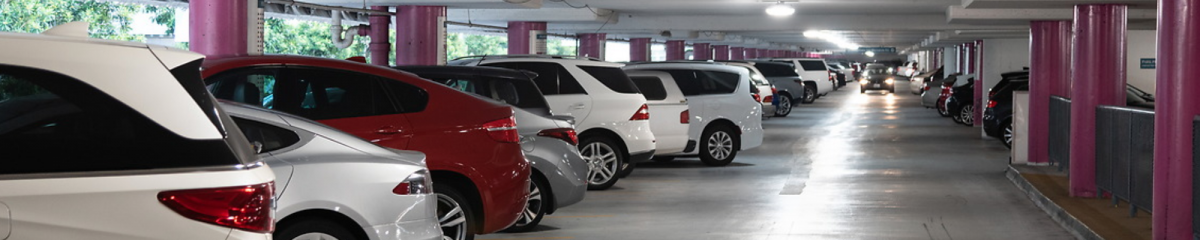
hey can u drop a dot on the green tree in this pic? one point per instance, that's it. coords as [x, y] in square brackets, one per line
[107, 20]
[306, 38]
[555, 47]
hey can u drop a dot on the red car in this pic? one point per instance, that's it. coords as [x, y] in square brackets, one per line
[478, 168]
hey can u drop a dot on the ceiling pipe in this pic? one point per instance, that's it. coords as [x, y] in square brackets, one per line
[335, 30]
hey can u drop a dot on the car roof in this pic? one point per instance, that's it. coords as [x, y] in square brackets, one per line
[469, 71]
[687, 66]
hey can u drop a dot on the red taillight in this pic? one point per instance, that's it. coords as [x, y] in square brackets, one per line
[756, 97]
[503, 130]
[566, 134]
[360, 59]
[926, 87]
[418, 183]
[684, 116]
[773, 91]
[992, 103]
[642, 113]
[768, 99]
[243, 207]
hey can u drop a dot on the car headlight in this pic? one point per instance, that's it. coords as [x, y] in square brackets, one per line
[863, 82]
[889, 81]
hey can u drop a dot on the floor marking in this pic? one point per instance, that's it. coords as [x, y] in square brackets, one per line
[585, 216]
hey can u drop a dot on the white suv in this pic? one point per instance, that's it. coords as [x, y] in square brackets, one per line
[813, 70]
[119, 140]
[610, 113]
[722, 117]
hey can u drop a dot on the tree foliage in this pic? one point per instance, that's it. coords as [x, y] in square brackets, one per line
[108, 20]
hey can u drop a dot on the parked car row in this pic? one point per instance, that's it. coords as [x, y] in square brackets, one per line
[297, 147]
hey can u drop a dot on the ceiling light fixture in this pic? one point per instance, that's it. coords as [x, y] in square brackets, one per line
[870, 54]
[780, 10]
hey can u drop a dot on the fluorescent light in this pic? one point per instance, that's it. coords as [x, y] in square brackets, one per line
[780, 10]
[870, 54]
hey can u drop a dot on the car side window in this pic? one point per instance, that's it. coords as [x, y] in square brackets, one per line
[652, 87]
[328, 94]
[693, 82]
[265, 136]
[552, 79]
[252, 86]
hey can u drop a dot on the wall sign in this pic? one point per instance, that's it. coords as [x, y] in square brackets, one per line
[1148, 63]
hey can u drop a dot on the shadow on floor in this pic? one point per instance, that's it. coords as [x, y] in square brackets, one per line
[684, 163]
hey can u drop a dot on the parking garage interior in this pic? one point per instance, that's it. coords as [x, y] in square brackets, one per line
[920, 119]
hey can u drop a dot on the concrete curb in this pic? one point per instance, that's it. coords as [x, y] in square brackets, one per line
[1064, 219]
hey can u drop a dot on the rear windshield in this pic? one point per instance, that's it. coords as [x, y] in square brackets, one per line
[652, 87]
[519, 93]
[613, 78]
[60, 125]
[777, 70]
[813, 65]
[694, 82]
[551, 78]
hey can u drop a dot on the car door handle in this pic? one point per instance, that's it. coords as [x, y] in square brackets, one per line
[578, 106]
[387, 130]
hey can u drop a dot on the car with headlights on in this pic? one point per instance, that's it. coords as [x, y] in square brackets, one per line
[877, 77]
[391, 198]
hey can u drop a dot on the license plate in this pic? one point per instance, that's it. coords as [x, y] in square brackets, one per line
[876, 85]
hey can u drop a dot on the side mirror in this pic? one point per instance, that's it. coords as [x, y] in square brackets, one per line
[569, 119]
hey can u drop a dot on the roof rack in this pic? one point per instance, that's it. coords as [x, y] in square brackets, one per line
[484, 57]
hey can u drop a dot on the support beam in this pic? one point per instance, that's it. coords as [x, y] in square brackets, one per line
[1176, 84]
[420, 35]
[219, 27]
[701, 51]
[526, 37]
[592, 45]
[381, 47]
[639, 49]
[1049, 74]
[721, 52]
[675, 50]
[1098, 66]
[977, 66]
[737, 53]
[751, 53]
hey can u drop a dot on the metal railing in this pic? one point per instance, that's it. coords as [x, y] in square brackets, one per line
[1060, 132]
[1125, 155]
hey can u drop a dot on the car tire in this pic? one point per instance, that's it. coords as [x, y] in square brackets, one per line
[663, 158]
[535, 207]
[892, 90]
[626, 169]
[454, 214]
[785, 106]
[810, 94]
[1006, 134]
[719, 145]
[313, 228]
[966, 115]
[604, 160]
[862, 89]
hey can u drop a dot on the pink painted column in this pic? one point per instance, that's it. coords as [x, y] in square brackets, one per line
[1176, 71]
[592, 45]
[977, 64]
[417, 35]
[737, 53]
[751, 53]
[1049, 74]
[380, 47]
[701, 51]
[218, 27]
[521, 34]
[639, 49]
[675, 50]
[721, 52]
[764, 53]
[1098, 79]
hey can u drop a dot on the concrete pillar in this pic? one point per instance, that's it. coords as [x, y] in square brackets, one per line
[639, 49]
[737, 53]
[1176, 84]
[721, 52]
[420, 35]
[1049, 74]
[701, 51]
[218, 27]
[1098, 78]
[380, 48]
[977, 68]
[592, 45]
[526, 38]
[675, 50]
[751, 53]
[764, 53]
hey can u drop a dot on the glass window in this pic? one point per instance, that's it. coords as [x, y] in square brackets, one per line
[692, 82]
[521, 93]
[552, 78]
[267, 137]
[60, 124]
[317, 94]
[777, 70]
[613, 78]
[651, 87]
[813, 65]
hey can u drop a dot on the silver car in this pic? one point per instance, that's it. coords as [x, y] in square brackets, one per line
[560, 174]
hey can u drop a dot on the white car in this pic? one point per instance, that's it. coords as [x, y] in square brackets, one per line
[813, 71]
[611, 115]
[391, 195]
[119, 140]
[790, 89]
[721, 118]
[764, 90]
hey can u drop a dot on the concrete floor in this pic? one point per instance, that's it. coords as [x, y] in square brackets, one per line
[850, 166]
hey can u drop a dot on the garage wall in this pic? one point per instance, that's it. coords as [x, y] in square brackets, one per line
[1003, 55]
[949, 60]
[1141, 45]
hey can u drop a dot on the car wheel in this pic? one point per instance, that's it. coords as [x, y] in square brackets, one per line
[626, 169]
[966, 115]
[785, 106]
[604, 162]
[810, 94]
[663, 158]
[941, 109]
[535, 208]
[1007, 138]
[862, 89]
[312, 229]
[455, 216]
[719, 146]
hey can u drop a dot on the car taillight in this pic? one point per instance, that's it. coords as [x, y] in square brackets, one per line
[684, 116]
[566, 134]
[992, 103]
[642, 113]
[756, 97]
[768, 99]
[418, 183]
[246, 208]
[773, 91]
[926, 87]
[503, 130]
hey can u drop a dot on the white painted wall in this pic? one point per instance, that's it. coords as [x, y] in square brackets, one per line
[949, 60]
[1001, 56]
[1141, 45]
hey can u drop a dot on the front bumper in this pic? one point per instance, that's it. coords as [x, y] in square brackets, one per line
[877, 85]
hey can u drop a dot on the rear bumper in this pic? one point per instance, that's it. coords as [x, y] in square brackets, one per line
[641, 157]
[424, 229]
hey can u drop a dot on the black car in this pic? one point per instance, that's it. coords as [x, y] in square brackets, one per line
[961, 103]
[997, 117]
[876, 77]
[841, 77]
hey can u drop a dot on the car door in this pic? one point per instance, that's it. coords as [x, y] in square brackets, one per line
[668, 110]
[5, 221]
[360, 104]
[561, 90]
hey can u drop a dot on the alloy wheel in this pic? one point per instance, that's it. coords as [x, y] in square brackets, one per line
[967, 115]
[785, 106]
[602, 162]
[452, 218]
[315, 236]
[720, 145]
[810, 95]
[1008, 135]
[533, 207]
